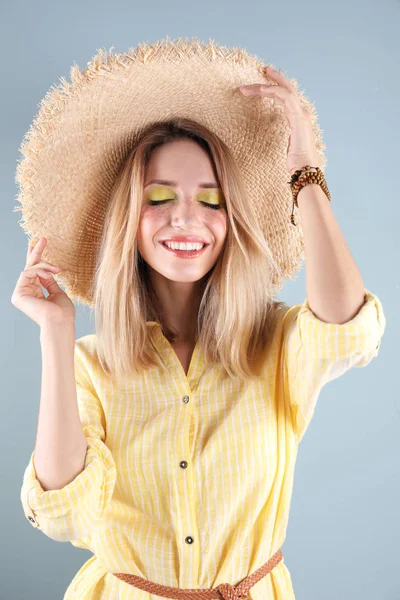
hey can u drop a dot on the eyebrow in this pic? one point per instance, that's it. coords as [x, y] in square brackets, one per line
[174, 183]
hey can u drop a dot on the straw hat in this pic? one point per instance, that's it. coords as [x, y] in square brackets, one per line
[85, 129]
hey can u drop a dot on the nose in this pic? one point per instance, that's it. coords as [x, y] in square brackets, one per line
[186, 211]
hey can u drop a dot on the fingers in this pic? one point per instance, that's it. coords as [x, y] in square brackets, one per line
[279, 78]
[28, 286]
[284, 89]
[34, 254]
[28, 277]
[260, 89]
[42, 269]
[35, 251]
[45, 265]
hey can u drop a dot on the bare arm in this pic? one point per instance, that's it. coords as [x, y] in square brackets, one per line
[335, 288]
[61, 445]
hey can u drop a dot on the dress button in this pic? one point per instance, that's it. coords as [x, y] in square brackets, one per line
[189, 540]
[183, 464]
[185, 399]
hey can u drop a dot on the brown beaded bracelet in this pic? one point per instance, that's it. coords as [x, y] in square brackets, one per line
[302, 177]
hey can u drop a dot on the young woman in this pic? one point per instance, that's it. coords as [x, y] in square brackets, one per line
[167, 440]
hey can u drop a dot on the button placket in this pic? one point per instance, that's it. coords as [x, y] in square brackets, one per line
[183, 464]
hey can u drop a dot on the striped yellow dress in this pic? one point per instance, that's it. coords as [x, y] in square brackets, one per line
[188, 479]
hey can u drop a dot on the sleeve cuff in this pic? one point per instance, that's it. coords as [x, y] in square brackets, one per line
[90, 491]
[360, 335]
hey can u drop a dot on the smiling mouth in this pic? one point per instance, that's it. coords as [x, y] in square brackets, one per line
[185, 253]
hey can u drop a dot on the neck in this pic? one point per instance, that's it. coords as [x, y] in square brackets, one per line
[179, 304]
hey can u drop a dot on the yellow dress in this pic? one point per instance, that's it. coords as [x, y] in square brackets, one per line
[188, 479]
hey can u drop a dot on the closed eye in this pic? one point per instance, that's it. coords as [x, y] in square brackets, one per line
[206, 204]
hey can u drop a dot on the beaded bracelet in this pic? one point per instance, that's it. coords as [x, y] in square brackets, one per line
[302, 177]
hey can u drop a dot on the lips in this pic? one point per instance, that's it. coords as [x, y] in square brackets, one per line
[184, 241]
[164, 243]
[185, 253]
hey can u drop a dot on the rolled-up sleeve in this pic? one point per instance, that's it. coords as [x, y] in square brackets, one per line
[316, 352]
[72, 512]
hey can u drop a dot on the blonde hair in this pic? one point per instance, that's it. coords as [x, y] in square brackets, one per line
[237, 314]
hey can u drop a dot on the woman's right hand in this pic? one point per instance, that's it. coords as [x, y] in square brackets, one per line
[28, 295]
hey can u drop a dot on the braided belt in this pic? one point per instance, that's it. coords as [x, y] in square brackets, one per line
[226, 591]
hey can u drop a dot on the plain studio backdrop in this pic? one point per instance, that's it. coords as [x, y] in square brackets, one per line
[343, 534]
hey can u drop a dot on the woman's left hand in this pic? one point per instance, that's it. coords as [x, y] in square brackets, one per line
[302, 150]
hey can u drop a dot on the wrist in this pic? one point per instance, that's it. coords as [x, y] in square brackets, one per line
[63, 329]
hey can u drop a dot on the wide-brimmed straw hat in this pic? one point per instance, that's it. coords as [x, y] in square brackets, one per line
[84, 131]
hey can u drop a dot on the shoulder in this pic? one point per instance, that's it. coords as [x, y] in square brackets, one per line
[285, 314]
[86, 350]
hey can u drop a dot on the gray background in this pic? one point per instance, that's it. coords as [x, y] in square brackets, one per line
[343, 532]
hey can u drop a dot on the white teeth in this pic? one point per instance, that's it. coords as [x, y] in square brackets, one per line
[183, 246]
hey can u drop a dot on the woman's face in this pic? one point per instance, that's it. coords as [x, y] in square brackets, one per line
[182, 211]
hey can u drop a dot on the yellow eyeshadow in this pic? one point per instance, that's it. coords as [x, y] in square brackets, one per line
[160, 193]
[164, 193]
[210, 196]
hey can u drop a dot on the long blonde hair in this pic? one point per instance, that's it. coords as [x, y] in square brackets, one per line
[237, 314]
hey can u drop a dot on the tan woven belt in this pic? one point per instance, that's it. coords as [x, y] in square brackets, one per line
[223, 590]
